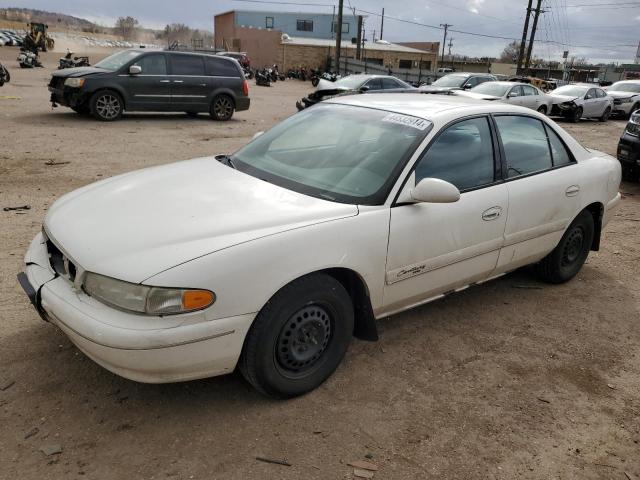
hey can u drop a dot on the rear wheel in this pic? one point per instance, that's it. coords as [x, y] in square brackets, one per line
[299, 337]
[605, 116]
[222, 107]
[106, 105]
[566, 260]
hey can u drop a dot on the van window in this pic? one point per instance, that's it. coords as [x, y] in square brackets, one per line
[187, 65]
[155, 64]
[218, 67]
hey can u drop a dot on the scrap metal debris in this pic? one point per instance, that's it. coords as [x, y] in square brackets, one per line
[51, 449]
[21, 207]
[7, 385]
[274, 460]
[53, 162]
[31, 433]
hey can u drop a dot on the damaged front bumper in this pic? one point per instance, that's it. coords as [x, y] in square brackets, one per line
[150, 349]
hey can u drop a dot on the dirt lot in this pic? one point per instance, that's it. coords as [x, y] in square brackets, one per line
[495, 382]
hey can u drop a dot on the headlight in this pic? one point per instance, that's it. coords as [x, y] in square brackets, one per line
[74, 82]
[625, 100]
[566, 105]
[143, 299]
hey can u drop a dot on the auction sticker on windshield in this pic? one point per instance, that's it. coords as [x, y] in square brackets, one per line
[407, 120]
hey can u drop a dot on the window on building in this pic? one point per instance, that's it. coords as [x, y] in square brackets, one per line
[304, 25]
[268, 22]
[334, 27]
[377, 61]
[405, 64]
[425, 64]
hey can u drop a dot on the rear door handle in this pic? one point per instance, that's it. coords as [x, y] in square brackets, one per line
[491, 213]
[572, 191]
[178, 81]
[165, 81]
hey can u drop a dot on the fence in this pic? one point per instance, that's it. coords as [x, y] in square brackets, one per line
[414, 76]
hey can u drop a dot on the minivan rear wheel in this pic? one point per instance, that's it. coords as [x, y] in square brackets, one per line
[222, 108]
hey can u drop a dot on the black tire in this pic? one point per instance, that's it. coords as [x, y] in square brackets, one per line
[222, 108]
[299, 337]
[542, 109]
[576, 115]
[106, 105]
[315, 81]
[605, 115]
[566, 260]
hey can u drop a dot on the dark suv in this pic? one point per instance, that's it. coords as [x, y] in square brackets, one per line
[153, 81]
[629, 148]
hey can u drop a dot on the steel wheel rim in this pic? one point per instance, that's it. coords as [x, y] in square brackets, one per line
[108, 106]
[303, 340]
[573, 247]
[223, 107]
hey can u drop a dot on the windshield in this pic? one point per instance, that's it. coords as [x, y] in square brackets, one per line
[571, 91]
[450, 81]
[336, 152]
[490, 88]
[117, 60]
[351, 82]
[625, 87]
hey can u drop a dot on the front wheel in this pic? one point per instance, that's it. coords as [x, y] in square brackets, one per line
[222, 108]
[636, 106]
[605, 116]
[566, 260]
[542, 109]
[576, 116]
[106, 105]
[299, 337]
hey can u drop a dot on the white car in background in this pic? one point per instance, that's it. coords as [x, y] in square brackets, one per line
[273, 258]
[521, 94]
[626, 97]
[574, 102]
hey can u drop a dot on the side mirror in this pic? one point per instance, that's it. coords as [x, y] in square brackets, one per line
[512, 94]
[256, 135]
[364, 88]
[135, 70]
[434, 190]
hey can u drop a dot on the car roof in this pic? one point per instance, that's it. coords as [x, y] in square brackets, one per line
[367, 76]
[506, 83]
[423, 105]
[627, 81]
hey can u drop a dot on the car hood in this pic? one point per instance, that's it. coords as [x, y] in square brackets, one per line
[561, 98]
[136, 225]
[481, 96]
[432, 89]
[78, 72]
[621, 94]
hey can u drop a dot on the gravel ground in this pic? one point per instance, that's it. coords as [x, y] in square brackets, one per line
[495, 382]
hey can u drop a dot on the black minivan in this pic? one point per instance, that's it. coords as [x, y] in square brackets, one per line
[153, 81]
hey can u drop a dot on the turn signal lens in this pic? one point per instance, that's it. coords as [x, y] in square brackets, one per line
[245, 88]
[196, 299]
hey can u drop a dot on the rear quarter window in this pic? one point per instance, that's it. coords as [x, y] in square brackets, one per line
[218, 67]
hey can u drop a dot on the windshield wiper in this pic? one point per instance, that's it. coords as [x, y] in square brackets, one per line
[226, 159]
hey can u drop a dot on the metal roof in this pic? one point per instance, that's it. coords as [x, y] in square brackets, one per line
[322, 42]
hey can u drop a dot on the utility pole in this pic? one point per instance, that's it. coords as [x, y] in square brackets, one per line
[339, 35]
[538, 11]
[444, 42]
[525, 32]
[359, 38]
[333, 21]
[450, 45]
[382, 23]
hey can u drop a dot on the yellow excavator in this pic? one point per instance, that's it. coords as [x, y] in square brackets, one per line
[37, 38]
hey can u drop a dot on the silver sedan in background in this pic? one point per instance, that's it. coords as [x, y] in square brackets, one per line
[521, 94]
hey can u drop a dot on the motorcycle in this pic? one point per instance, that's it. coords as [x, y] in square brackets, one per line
[317, 76]
[4, 75]
[68, 62]
[263, 78]
[28, 59]
[248, 73]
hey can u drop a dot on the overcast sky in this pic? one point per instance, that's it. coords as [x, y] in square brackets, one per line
[601, 30]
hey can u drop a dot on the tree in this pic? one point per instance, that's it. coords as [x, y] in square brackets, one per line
[510, 53]
[126, 27]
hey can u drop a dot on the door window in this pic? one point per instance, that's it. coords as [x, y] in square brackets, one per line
[529, 90]
[153, 64]
[388, 83]
[515, 92]
[590, 94]
[472, 82]
[187, 65]
[600, 93]
[525, 145]
[461, 155]
[558, 151]
[374, 84]
[218, 67]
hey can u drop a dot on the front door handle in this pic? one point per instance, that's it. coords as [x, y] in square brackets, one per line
[165, 81]
[491, 213]
[178, 81]
[572, 191]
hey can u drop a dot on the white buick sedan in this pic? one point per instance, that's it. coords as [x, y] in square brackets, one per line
[273, 258]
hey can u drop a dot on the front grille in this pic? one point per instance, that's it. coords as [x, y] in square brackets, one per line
[617, 101]
[60, 263]
[57, 83]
